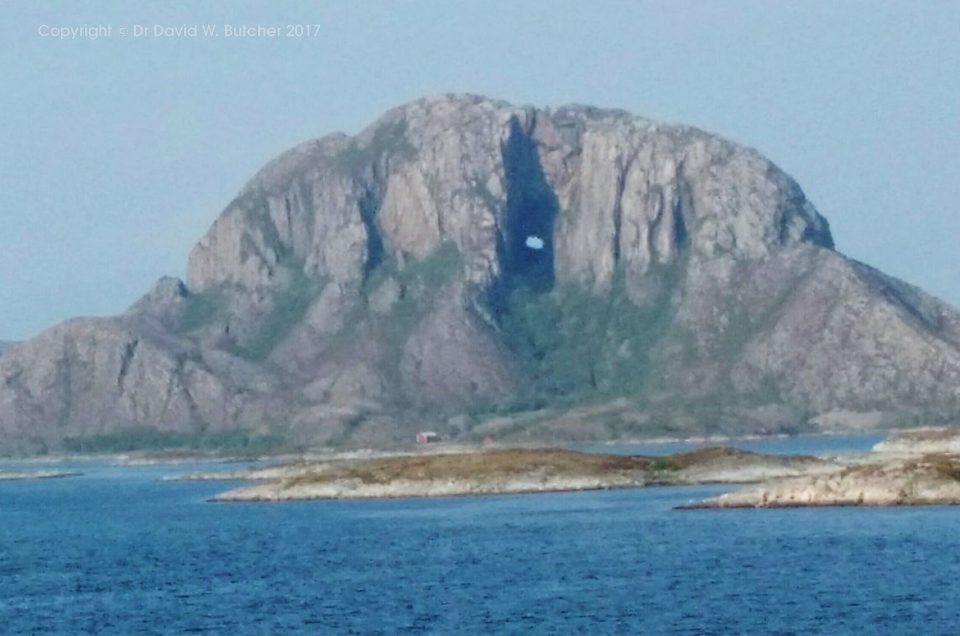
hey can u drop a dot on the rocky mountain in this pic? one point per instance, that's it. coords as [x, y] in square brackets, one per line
[481, 268]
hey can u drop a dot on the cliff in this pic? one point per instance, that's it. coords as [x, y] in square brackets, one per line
[479, 267]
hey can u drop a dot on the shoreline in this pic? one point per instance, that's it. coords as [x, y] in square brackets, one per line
[8, 475]
[505, 471]
[909, 467]
[156, 458]
[876, 477]
[912, 467]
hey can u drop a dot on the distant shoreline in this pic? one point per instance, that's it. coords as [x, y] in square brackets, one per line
[26, 476]
[180, 457]
[908, 467]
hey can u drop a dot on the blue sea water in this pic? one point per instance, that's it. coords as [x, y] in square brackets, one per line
[119, 552]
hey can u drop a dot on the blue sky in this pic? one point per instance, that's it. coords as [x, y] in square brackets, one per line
[121, 151]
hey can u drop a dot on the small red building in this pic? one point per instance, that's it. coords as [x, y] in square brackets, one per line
[427, 437]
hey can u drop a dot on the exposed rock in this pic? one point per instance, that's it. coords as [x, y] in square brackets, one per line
[452, 353]
[90, 376]
[359, 287]
[922, 441]
[899, 345]
[927, 480]
[163, 304]
[721, 465]
[383, 298]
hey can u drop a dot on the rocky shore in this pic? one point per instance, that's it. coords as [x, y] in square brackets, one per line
[927, 480]
[921, 441]
[916, 467]
[503, 471]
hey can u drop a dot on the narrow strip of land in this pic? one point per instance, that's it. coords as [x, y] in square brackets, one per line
[503, 471]
[9, 475]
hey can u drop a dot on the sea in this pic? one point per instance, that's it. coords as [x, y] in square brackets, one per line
[119, 551]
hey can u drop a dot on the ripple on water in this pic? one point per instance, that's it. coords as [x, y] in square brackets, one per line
[120, 552]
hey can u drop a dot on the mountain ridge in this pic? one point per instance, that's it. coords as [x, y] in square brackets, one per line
[360, 287]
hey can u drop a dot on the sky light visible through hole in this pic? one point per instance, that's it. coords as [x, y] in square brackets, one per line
[534, 242]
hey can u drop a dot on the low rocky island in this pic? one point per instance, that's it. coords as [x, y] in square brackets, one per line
[910, 468]
[502, 471]
[927, 480]
[919, 441]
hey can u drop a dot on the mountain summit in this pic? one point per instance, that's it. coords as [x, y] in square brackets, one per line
[483, 268]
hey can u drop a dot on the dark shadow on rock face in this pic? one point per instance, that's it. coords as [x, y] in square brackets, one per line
[679, 226]
[375, 251]
[525, 246]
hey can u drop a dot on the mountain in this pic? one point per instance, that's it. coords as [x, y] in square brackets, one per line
[475, 267]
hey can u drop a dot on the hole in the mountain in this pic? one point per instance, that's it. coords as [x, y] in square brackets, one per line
[368, 215]
[679, 226]
[526, 248]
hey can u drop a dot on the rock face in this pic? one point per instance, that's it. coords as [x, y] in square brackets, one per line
[464, 257]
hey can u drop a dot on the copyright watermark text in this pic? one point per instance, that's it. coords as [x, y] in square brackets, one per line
[72, 33]
[96, 31]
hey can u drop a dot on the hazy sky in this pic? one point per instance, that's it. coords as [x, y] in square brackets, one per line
[120, 152]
